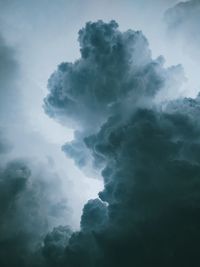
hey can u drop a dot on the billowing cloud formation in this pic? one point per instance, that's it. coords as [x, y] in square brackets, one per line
[114, 74]
[148, 211]
[28, 210]
[87, 91]
[152, 190]
[90, 83]
[55, 243]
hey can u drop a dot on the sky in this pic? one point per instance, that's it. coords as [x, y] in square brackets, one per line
[99, 133]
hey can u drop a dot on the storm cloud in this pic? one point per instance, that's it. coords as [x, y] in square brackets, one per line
[114, 74]
[147, 150]
[130, 130]
[152, 191]
[87, 91]
[29, 209]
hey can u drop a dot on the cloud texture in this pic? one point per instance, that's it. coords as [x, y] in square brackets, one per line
[115, 74]
[148, 152]
[29, 202]
[29, 209]
[183, 25]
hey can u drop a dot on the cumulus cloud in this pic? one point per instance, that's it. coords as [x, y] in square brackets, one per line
[94, 215]
[78, 89]
[148, 212]
[114, 74]
[55, 243]
[29, 208]
[151, 189]
[147, 153]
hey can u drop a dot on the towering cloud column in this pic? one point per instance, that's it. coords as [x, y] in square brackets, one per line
[148, 153]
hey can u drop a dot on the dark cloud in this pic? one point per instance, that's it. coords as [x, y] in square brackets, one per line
[90, 83]
[151, 189]
[27, 210]
[148, 212]
[78, 89]
[94, 215]
[148, 154]
[55, 244]
[13, 179]
[114, 74]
